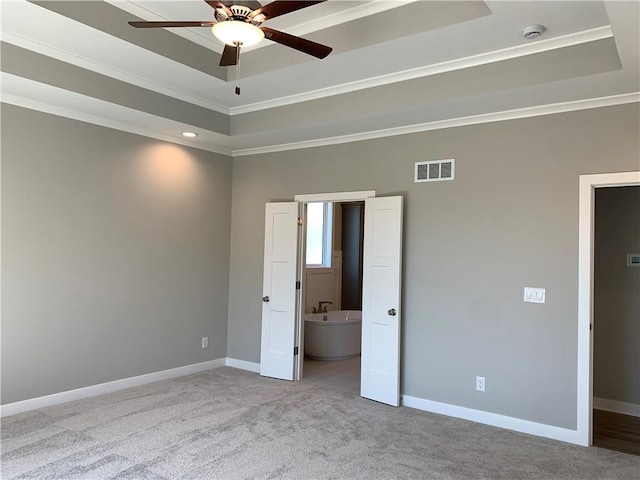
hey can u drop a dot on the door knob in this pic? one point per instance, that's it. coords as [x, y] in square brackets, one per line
[266, 298]
[392, 312]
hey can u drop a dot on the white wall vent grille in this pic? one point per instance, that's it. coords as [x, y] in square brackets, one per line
[436, 171]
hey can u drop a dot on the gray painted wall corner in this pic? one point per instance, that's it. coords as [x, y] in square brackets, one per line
[115, 254]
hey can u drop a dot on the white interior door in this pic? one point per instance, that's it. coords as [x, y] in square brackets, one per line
[279, 290]
[381, 313]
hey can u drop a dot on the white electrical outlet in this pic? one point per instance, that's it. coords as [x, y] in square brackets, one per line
[480, 384]
[205, 342]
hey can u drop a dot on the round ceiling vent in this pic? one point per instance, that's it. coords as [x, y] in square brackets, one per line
[531, 32]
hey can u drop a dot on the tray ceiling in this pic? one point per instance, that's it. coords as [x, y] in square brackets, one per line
[397, 67]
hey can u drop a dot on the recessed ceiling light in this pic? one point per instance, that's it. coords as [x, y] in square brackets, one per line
[533, 31]
[189, 134]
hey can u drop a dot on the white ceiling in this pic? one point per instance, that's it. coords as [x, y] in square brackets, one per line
[397, 67]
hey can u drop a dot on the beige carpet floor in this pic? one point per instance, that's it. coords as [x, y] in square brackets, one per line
[231, 424]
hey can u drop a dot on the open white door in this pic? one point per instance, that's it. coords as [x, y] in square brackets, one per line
[380, 372]
[279, 290]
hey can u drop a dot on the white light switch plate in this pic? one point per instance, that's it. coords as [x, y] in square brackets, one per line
[534, 295]
[633, 260]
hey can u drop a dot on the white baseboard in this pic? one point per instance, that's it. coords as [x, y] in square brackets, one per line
[487, 418]
[616, 407]
[243, 365]
[108, 387]
[493, 419]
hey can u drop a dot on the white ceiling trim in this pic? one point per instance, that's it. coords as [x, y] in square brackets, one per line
[103, 69]
[540, 46]
[319, 23]
[37, 96]
[105, 54]
[27, 39]
[33, 95]
[514, 114]
[344, 16]
[187, 33]
[109, 123]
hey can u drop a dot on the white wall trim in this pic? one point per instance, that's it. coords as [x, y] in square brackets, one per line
[45, 98]
[508, 53]
[26, 93]
[335, 197]
[616, 406]
[24, 37]
[493, 419]
[479, 416]
[243, 365]
[193, 35]
[112, 72]
[514, 114]
[108, 387]
[355, 12]
[106, 122]
[588, 184]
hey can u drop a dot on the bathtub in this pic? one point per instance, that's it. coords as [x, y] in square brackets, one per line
[332, 335]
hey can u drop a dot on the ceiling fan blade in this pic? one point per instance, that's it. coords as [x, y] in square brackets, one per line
[170, 24]
[280, 7]
[220, 5]
[229, 56]
[301, 44]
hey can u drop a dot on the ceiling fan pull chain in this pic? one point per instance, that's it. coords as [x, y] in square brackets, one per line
[237, 68]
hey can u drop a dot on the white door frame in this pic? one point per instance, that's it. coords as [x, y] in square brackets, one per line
[303, 199]
[588, 184]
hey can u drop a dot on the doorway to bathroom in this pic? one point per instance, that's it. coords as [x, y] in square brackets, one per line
[283, 307]
[332, 294]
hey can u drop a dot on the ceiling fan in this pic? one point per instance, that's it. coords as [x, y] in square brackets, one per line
[238, 25]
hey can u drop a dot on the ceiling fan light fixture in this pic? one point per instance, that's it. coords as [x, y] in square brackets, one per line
[236, 32]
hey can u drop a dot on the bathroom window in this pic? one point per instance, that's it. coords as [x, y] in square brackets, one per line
[319, 234]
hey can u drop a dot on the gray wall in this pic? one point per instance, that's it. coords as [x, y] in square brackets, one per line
[616, 367]
[115, 254]
[509, 220]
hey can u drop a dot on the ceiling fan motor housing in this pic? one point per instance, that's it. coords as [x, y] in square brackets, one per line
[240, 12]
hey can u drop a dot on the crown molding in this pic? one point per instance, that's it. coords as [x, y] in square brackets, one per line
[140, 11]
[529, 48]
[109, 123]
[354, 13]
[540, 46]
[32, 95]
[102, 69]
[514, 114]
[43, 48]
